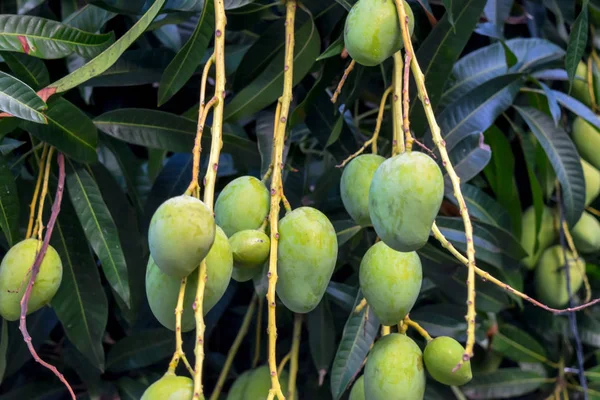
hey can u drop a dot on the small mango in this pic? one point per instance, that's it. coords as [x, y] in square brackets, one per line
[307, 253]
[355, 184]
[255, 384]
[244, 274]
[587, 140]
[250, 248]
[550, 276]
[358, 389]
[404, 198]
[581, 86]
[441, 355]
[592, 181]
[546, 235]
[390, 281]
[170, 387]
[586, 233]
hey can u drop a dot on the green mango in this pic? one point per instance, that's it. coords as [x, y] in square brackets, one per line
[372, 32]
[592, 182]
[546, 235]
[354, 186]
[244, 274]
[390, 281]
[586, 233]
[181, 232]
[394, 369]
[255, 385]
[250, 248]
[170, 387]
[587, 140]
[15, 273]
[358, 389]
[242, 204]
[441, 355]
[307, 253]
[404, 198]
[550, 276]
[580, 85]
[162, 290]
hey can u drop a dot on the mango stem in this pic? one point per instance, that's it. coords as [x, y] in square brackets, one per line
[179, 354]
[397, 78]
[294, 355]
[340, 85]
[422, 331]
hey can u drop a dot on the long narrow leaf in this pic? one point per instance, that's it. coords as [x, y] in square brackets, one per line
[19, 100]
[9, 204]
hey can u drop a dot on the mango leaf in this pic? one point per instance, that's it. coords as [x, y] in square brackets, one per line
[130, 389]
[99, 227]
[321, 336]
[181, 68]
[346, 229]
[504, 383]
[564, 159]
[29, 69]
[484, 207]
[468, 157]
[19, 100]
[3, 348]
[518, 345]
[334, 49]
[577, 107]
[577, 42]
[9, 204]
[109, 56]
[496, 11]
[233, 4]
[358, 336]
[441, 319]
[40, 390]
[68, 129]
[140, 350]
[44, 38]
[89, 18]
[552, 102]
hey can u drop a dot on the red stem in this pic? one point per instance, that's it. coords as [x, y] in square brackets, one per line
[36, 268]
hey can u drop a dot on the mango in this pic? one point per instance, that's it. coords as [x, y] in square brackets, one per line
[580, 85]
[587, 140]
[355, 184]
[15, 273]
[586, 233]
[244, 274]
[550, 276]
[358, 389]
[162, 290]
[181, 232]
[250, 248]
[170, 387]
[394, 369]
[592, 182]
[390, 281]
[404, 198]
[307, 253]
[255, 385]
[372, 31]
[441, 355]
[546, 235]
[242, 204]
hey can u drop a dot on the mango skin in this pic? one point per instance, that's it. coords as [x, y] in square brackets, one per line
[394, 369]
[250, 248]
[580, 85]
[441, 355]
[244, 274]
[358, 389]
[255, 384]
[546, 235]
[243, 204]
[181, 232]
[372, 32]
[587, 140]
[404, 198]
[586, 233]
[550, 276]
[307, 253]
[390, 281]
[170, 387]
[355, 184]
[14, 276]
[162, 290]
[592, 182]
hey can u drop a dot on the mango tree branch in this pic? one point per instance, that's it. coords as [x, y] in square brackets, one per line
[398, 142]
[340, 85]
[422, 331]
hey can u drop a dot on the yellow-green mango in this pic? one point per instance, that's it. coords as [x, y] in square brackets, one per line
[355, 184]
[181, 232]
[242, 204]
[394, 369]
[404, 198]
[250, 248]
[358, 389]
[15, 273]
[372, 32]
[162, 290]
[592, 182]
[586, 233]
[255, 385]
[587, 140]
[390, 281]
[170, 387]
[580, 85]
[306, 257]
[546, 235]
[441, 355]
[551, 279]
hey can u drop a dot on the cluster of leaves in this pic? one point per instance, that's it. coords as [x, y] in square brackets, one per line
[499, 87]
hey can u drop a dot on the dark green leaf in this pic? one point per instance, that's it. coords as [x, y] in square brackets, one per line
[552, 102]
[577, 42]
[343, 295]
[18, 99]
[130, 389]
[89, 18]
[346, 230]
[505, 383]
[9, 204]
[29, 69]
[321, 336]
[483, 207]
[3, 348]
[140, 350]
[577, 107]
[468, 158]
[334, 49]
[40, 390]
[518, 345]
[496, 12]
[441, 319]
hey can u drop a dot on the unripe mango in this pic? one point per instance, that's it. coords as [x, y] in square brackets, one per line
[550, 276]
[255, 385]
[394, 369]
[404, 198]
[390, 281]
[441, 355]
[181, 232]
[243, 204]
[170, 387]
[580, 85]
[358, 389]
[15, 273]
[586, 233]
[546, 235]
[250, 248]
[162, 290]
[355, 184]
[244, 274]
[307, 253]
[372, 32]
[592, 182]
[587, 140]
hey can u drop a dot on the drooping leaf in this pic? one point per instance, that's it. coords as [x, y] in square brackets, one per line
[518, 345]
[29, 69]
[140, 350]
[552, 102]
[577, 42]
[19, 100]
[468, 158]
[9, 204]
[334, 49]
[504, 383]
[321, 336]
[577, 107]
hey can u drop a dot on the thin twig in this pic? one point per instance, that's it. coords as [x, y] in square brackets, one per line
[405, 101]
[258, 332]
[294, 355]
[422, 331]
[398, 142]
[179, 354]
[340, 85]
[36, 192]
